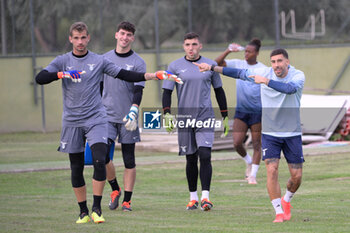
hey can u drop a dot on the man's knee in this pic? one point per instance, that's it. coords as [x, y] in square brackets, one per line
[237, 144]
[204, 154]
[256, 145]
[99, 151]
[297, 178]
[109, 150]
[128, 151]
[192, 158]
[272, 166]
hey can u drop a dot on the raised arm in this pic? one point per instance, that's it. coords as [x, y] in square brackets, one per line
[231, 48]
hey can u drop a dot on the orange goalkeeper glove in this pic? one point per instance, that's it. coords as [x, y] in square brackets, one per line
[166, 75]
[72, 74]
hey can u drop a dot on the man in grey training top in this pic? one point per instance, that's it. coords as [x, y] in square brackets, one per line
[121, 100]
[84, 117]
[194, 105]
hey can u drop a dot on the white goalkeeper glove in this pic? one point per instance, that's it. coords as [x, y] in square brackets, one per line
[131, 118]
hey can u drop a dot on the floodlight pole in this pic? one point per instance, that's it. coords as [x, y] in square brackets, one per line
[34, 68]
[156, 32]
[277, 26]
[189, 15]
[3, 28]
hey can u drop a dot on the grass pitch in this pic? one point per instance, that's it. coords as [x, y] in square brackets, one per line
[43, 200]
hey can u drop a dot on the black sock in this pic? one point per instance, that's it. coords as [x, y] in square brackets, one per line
[83, 207]
[97, 203]
[127, 196]
[114, 184]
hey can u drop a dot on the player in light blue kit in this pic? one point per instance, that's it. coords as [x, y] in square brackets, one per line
[121, 100]
[281, 92]
[248, 109]
[84, 117]
[194, 103]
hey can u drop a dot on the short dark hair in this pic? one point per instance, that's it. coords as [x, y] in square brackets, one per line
[279, 51]
[127, 26]
[78, 26]
[191, 35]
[256, 43]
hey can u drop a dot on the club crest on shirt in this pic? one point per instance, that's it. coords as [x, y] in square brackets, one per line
[91, 66]
[128, 67]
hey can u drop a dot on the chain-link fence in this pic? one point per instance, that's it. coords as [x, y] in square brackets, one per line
[44, 24]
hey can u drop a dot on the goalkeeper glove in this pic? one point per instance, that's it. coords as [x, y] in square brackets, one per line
[226, 127]
[169, 122]
[72, 74]
[166, 75]
[131, 118]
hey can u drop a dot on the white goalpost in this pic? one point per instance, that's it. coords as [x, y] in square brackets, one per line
[309, 31]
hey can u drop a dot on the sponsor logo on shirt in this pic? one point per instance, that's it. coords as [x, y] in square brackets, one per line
[183, 148]
[128, 67]
[69, 67]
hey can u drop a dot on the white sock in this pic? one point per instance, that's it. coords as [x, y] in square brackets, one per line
[276, 203]
[247, 159]
[205, 194]
[193, 196]
[255, 168]
[288, 196]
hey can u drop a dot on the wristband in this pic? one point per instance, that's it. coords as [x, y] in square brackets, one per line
[212, 67]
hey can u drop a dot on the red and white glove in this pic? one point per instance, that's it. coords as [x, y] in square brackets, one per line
[166, 75]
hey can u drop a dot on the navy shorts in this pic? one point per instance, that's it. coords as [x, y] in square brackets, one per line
[291, 147]
[248, 118]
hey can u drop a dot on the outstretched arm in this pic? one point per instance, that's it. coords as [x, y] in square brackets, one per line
[287, 88]
[45, 77]
[206, 67]
[231, 72]
[133, 76]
